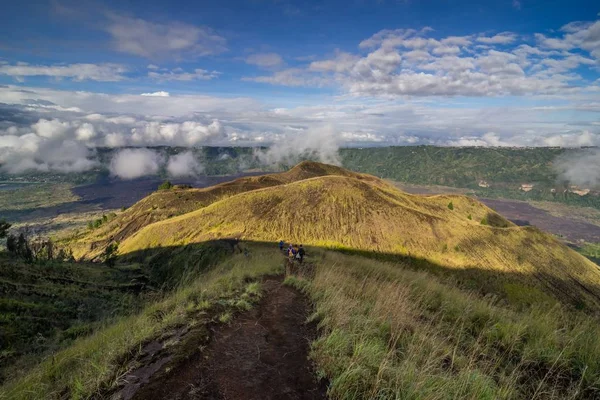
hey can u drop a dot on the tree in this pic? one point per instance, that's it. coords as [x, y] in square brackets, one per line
[450, 206]
[110, 254]
[166, 185]
[4, 227]
[23, 249]
[11, 244]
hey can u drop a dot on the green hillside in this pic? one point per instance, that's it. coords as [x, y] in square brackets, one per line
[44, 306]
[503, 169]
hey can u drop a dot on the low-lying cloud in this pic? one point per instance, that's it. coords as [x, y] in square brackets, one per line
[184, 165]
[135, 163]
[32, 152]
[321, 144]
[581, 168]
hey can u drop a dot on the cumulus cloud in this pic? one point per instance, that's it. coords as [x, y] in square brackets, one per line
[188, 133]
[31, 152]
[155, 40]
[76, 72]
[581, 168]
[409, 62]
[135, 163]
[320, 143]
[501, 38]
[265, 60]
[184, 165]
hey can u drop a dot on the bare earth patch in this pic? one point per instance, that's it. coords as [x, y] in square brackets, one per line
[262, 354]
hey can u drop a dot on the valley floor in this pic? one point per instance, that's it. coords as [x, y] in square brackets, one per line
[571, 223]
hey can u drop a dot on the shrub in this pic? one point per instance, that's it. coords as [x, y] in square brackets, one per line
[166, 185]
[110, 254]
[450, 206]
[4, 226]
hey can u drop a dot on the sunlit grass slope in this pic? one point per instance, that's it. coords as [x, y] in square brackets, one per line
[165, 204]
[388, 332]
[343, 212]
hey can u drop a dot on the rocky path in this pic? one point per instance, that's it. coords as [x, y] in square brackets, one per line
[262, 354]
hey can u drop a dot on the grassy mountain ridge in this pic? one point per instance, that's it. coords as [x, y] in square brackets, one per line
[165, 204]
[366, 214]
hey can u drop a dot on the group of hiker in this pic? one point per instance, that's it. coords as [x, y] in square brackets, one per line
[293, 252]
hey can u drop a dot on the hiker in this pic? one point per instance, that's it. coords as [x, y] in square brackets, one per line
[301, 254]
[291, 252]
[281, 244]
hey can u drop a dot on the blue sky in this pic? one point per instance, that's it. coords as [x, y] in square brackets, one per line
[362, 72]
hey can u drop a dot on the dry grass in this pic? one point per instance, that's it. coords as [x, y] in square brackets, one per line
[347, 212]
[389, 332]
[166, 204]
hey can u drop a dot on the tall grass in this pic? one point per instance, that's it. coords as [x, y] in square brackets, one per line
[97, 362]
[393, 333]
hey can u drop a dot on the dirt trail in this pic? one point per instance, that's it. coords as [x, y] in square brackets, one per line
[262, 354]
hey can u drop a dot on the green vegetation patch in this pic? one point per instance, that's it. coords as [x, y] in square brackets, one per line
[94, 363]
[46, 304]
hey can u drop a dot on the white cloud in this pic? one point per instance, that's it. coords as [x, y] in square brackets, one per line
[456, 41]
[184, 165]
[581, 168]
[76, 72]
[552, 43]
[320, 143]
[156, 94]
[123, 104]
[342, 62]
[85, 132]
[51, 129]
[180, 75]
[501, 38]
[33, 152]
[188, 133]
[155, 40]
[406, 62]
[135, 163]
[265, 60]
